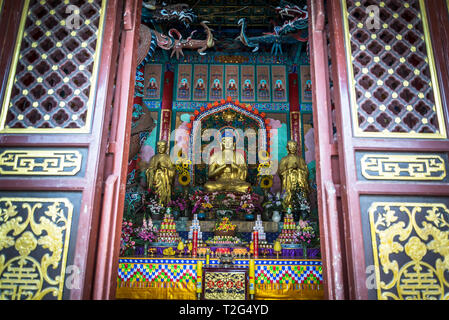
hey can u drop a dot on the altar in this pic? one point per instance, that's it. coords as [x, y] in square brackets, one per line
[177, 278]
[234, 197]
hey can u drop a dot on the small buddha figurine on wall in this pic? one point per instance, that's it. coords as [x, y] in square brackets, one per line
[293, 173]
[160, 173]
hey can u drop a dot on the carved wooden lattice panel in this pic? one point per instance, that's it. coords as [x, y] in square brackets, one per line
[54, 67]
[395, 91]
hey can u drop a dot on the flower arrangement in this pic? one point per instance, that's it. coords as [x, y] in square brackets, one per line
[273, 202]
[225, 225]
[127, 240]
[179, 203]
[202, 200]
[225, 200]
[152, 204]
[249, 202]
[305, 232]
[148, 232]
[300, 205]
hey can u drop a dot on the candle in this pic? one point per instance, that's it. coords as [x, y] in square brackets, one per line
[256, 244]
[195, 243]
[207, 258]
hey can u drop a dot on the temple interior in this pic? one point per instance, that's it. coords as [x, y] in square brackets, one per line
[222, 158]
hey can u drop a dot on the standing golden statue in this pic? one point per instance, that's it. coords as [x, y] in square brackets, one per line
[160, 173]
[227, 169]
[293, 173]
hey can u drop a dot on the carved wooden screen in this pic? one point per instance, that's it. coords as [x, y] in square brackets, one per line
[392, 94]
[57, 67]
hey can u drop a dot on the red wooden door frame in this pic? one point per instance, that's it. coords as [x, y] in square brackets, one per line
[105, 279]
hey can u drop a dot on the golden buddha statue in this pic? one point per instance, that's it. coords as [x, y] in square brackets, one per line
[227, 169]
[160, 173]
[293, 173]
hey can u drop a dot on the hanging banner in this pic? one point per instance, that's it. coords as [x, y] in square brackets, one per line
[306, 84]
[232, 81]
[183, 87]
[263, 83]
[153, 77]
[216, 80]
[200, 82]
[278, 82]
[247, 83]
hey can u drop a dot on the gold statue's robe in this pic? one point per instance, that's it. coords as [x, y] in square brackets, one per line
[294, 176]
[160, 177]
[227, 175]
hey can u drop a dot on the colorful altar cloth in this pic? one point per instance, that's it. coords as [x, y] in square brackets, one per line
[312, 253]
[175, 278]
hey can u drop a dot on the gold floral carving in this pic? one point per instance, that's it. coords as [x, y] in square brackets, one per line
[40, 162]
[224, 286]
[34, 239]
[410, 244]
[403, 167]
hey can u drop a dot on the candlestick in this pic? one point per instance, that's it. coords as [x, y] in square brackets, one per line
[195, 243]
[256, 244]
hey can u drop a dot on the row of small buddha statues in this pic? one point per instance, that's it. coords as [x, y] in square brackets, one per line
[227, 172]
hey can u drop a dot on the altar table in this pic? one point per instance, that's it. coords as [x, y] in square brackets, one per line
[175, 278]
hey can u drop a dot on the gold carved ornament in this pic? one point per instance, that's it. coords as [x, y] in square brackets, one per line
[37, 230]
[224, 286]
[410, 244]
[49, 162]
[403, 167]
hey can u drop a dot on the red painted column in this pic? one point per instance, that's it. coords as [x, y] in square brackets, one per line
[166, 106]
[295, 116]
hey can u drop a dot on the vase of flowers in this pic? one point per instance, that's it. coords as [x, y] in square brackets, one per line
[300, 205]
[178, 205]
[147, 233]
[249, 203]
[154, 208]
[202, 201]
[272, 206]
[127, 239]
[304, 235]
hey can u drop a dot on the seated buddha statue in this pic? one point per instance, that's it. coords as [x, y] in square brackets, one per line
[227, 169]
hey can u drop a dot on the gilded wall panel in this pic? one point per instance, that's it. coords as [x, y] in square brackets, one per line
[42, 162]
[407, 248]
[375, 166]
[34, 246]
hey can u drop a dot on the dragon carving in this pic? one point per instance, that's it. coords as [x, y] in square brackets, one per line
[189, 43]
[150, 39]
[289, 32]
[153, 13]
